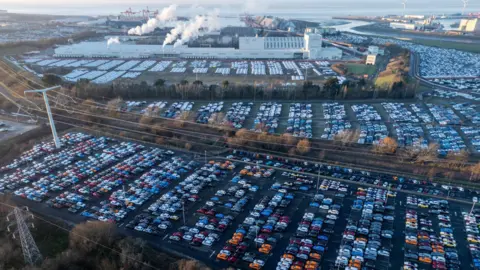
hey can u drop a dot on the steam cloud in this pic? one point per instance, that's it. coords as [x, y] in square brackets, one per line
[192, 29]
[167, 14]
[113, 40]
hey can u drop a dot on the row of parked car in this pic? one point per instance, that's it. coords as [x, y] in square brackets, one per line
[364, 235]
[471, 221]
[123, 200]
[299, 121]
[236, 115]
[447, 139]
[267, 118]
[473, 134]
[186, 192]
[39, 172]
[372, 133]
[45, 148]
[177, 109]
[394, 182]
[207, 113]
[410, 135]
[421, 113]
[397, 112]
[443, 114]
[366, 112]
[306, 250]
[336, 128]
[258, 228]
[422, 240]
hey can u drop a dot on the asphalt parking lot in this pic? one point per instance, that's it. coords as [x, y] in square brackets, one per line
[261, 212]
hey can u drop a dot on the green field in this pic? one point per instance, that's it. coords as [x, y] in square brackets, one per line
[386, 80]
[360, 69]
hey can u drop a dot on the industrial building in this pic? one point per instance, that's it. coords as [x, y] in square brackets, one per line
[472, 26]
[375, 50]
[415, 17]
[371, 59]
[308, 47]
[403, 26]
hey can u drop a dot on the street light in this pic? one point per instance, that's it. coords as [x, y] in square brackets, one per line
[475, 200]
[49, 112]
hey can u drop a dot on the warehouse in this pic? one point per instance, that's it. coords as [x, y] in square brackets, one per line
[470, 26]
[307, 47]
[404, 26]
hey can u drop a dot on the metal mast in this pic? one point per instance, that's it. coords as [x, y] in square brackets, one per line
[465, 3]
[49, 112]
[31, 253]
[404, 3]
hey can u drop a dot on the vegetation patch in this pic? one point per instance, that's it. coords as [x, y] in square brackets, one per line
[360, 69]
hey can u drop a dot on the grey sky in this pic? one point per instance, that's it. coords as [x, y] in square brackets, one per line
[313, 7]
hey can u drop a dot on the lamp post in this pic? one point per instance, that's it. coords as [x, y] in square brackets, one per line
[49, 112]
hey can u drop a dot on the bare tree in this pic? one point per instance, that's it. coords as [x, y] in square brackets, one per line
[288, 139]
[475, 172]
[82, 235]
[113, 106]
[430, 154]
[457, 160]
[303, 146]
[386, 146]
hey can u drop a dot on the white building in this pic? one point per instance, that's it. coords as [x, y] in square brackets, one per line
[416, 17]
[313, 45]
[308, 47]
[373, 50]
[405, 26]
[371, 59]
[470, 26]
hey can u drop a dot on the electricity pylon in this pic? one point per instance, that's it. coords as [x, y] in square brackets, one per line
[31, 253]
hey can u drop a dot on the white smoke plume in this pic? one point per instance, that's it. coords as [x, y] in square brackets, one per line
[167, 14]
[192, 29]
[174, 33]
[113, 40]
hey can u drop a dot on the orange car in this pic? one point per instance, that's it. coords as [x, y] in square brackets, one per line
[222, 256]
[296, 267]
[265, 249]
[257, 264]
[288, 256]
[355, 263]
[311, 265]
[315, 256]
[425, 260]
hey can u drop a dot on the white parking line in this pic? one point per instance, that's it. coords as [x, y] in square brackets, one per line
[213, 253]
[456, 213]
[121, 225]
[166, 235]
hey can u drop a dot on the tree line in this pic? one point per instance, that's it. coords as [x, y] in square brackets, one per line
[197, 90]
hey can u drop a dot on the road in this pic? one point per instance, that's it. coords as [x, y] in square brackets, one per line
[352, 28]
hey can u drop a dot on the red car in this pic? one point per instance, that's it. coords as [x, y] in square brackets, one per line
[202, 210]
[232, 259]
